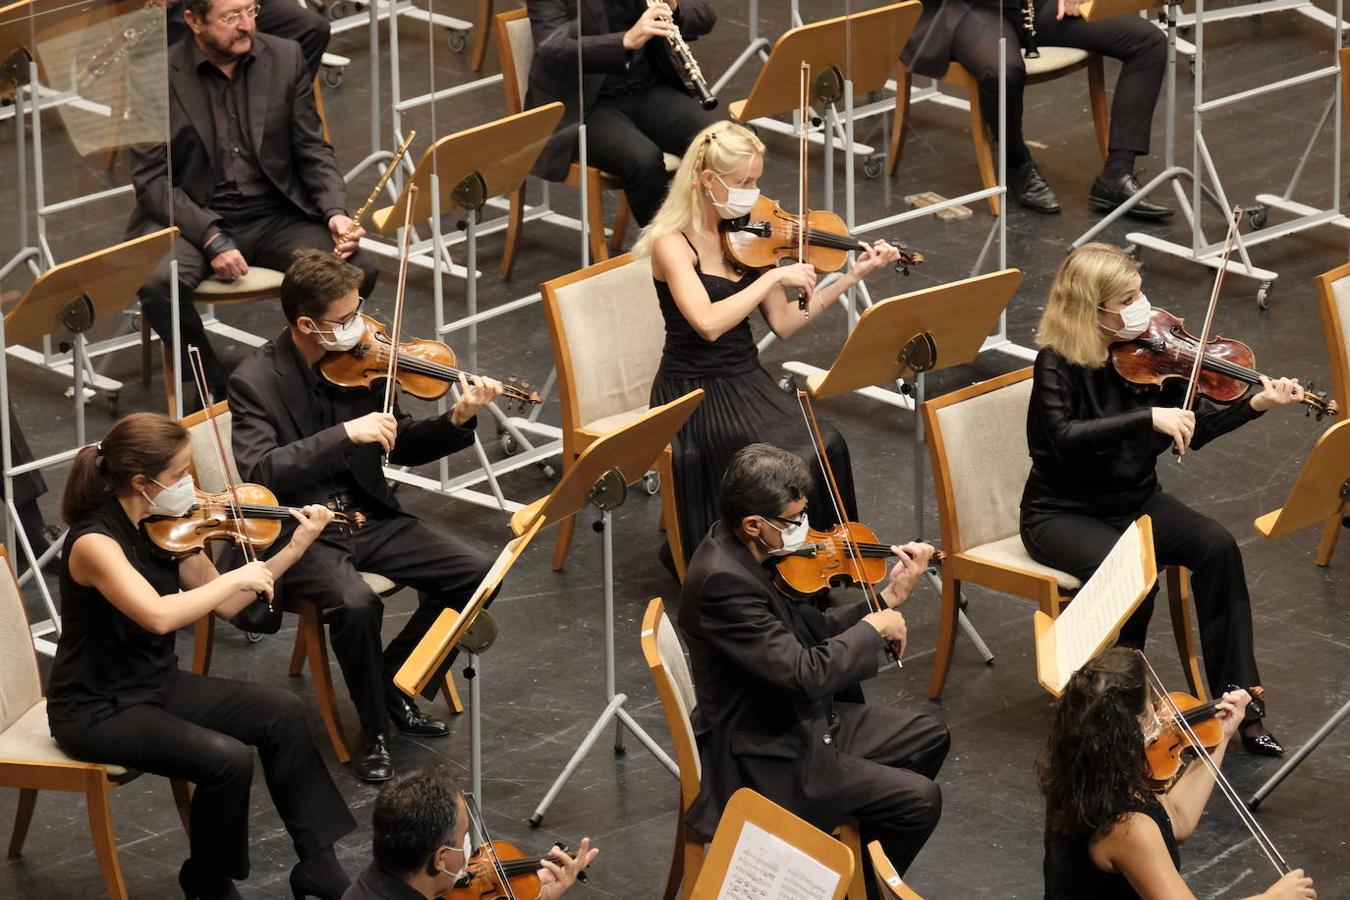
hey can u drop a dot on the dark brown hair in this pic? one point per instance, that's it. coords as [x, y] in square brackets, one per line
[314, 281]
[142, 443]
[1094, 768]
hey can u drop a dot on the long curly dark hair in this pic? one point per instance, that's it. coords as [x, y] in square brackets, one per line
[1094, 767]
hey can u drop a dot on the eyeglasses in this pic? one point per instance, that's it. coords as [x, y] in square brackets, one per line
[795, 522]
[345, 323]
[231, 18]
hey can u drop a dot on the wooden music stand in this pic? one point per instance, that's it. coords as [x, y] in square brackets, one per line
[907, 336]
[69, 299]
[463, 171]
[1094, 618]
[759, 844]
[1322, 492]
[600, 477]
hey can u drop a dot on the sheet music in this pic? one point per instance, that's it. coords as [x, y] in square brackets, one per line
[1102, 604]
[766, 867]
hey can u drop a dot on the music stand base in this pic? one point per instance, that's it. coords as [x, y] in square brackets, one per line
[1303, 752]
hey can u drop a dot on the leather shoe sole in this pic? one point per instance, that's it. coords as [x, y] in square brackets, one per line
[1104, 198]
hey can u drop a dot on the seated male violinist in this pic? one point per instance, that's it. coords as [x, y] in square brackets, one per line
[779, 706]
[312, 442]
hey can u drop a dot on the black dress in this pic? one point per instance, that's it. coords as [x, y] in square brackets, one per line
[116, 695]
[742, 405]
[1070, 873]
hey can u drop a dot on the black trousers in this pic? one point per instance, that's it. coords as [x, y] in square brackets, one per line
[626, 136]
[283, 18]
[270, 242]
[205, 733]
[406, 550]
[1137, 43]
[1181, 536]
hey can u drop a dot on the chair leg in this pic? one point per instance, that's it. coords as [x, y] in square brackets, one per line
[670, 513]
[182, 799]
[904, 81]
[621, 217]
[1179, 596]
[514, 222]
[693, 863]
[979, 139]
[848, 835]
[452, 694]
[563, 543]
[1330, 532]
[1101, 116]
[481, 29]
[322, 676]
[147, 346]
[23, 817]
[946, 642]
[595, 220]
[297, 664]
[204, 639]
[105, 843]
[676, 874]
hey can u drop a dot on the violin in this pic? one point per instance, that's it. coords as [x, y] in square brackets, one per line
[1166, 753]
[425, 368]
[1166, 351]
[838, 557]
[249, 517]
[501, 871]
[771, 234]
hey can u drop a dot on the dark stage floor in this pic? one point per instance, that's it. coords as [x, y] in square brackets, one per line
[543, 681]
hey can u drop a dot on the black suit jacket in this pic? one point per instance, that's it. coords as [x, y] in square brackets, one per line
[553, 72]
[175, 184]
[279, 440]
[766, 671]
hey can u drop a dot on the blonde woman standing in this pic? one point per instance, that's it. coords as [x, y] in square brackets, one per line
[707, 301]
[1094, 442]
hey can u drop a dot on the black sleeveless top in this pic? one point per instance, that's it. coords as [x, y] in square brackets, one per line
[686, 353]
[104, 660]
[1070, 872]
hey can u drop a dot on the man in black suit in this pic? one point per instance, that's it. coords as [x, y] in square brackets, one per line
[636, 107]
[311, 442]
[284, 18]
[776, 679]
[968, 31]
[246, 176]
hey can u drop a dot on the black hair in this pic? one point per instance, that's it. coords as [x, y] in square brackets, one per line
[414, 817]
[761, 480]
[198, 8]
[143, 443]
[314, 280]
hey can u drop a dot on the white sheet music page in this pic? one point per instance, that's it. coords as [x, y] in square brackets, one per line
[1100, 607]
[766, 867]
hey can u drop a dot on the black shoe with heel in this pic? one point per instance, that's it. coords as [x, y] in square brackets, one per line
[200, 885]
[320, 875]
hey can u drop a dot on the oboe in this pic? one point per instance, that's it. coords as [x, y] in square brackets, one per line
[686, 67]
[375, 193]
[1031, 51]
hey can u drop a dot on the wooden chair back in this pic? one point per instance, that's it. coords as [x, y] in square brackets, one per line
[206, 469]
[890, 886]
[515, 49]
[665, 657]
[20, 684]
[1333, 288]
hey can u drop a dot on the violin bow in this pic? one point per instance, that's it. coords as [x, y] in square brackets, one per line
[803, 175]
[231, 489]
[1248, 818]
[851, 547]
[1193, 384]
[395, 330]
[480, 826]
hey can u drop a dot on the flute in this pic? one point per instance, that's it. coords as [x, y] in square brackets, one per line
[379, 186]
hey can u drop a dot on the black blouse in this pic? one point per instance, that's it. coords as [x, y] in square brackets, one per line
[1071, 874]
[104, 660]
[1093, 447]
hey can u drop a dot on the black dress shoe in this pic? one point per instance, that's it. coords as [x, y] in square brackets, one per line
[1031, 190]
[1105, 196]
[320, 875]
[200, 885]
[410, 719]
[373, 763]
[1257, 740]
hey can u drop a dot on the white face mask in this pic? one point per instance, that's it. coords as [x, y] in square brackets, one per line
[344, 337]
[467, 850]
[175, 500]
[739, 202]
[1134, 318]
[794, 536]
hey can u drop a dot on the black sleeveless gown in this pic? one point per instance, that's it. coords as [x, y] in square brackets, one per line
[742, 405]
[1070, 873]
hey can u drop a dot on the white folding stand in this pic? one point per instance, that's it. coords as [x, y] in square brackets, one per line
[15, 72]
[1252, 10]
[600, 477]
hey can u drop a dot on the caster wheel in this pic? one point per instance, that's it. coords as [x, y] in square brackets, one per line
[535, 820]
[547, 471]
[458, 41]
[114, 400]
[1258, 216]
[1132, 251]
[872, 165]
[1191, 65]
[876, 96]
[651, 482]
[332, 77]
[339, 10]
[1263, 295]
[787, 384]
[253, 636]
[509, 445]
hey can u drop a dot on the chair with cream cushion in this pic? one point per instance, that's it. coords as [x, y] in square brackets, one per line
[1054, 62]
[1334, 290]
[30, 759]
[977, 442]
[607, 332]
[311, 642]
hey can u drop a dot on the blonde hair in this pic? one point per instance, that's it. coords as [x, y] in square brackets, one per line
[722, 148]
[1088, 277]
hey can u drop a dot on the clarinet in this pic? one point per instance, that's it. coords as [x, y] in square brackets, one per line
[1029, 47]
[686, 67]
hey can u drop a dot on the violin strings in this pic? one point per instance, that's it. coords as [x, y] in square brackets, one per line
[1267, 845]
[1226, 367]
[438, 370]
